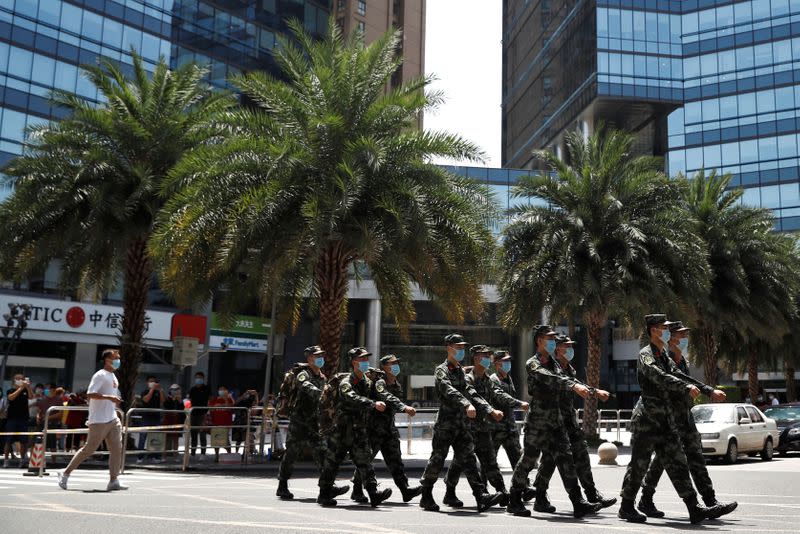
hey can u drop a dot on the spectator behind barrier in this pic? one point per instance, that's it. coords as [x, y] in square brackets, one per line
[248, 399]
[174, 402]
[221, 417]
[17, 417]
[152, 398]
[52, 396]
[199, 396]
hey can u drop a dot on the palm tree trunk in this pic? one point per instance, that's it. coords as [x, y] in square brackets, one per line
[791, 384]
[752, 375]
[332, 282]
[595, 320]
[709, 347]
[138, 276]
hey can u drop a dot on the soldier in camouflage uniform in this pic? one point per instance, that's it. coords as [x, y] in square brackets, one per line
[350, 433]
[459, 401]
[653, 426]
[678, 348]
[580, 450]
[383, 434]
[303, 417]
[545, 428]
[481, 427]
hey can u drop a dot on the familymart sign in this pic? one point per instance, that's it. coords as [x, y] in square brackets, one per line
[246, 333]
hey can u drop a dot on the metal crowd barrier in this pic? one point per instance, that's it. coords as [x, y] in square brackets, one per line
[188, 427]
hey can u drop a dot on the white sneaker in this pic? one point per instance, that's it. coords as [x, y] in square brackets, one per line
[115, 486]
[62, 480]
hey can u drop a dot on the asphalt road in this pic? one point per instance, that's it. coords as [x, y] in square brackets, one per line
[162, 501]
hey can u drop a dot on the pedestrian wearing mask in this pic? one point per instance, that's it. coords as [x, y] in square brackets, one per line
[172, 405]
[52, 396]
[222, 418]
[152, 399]
[103, 422]
[199, 395]
[248, 399]
[17, 417]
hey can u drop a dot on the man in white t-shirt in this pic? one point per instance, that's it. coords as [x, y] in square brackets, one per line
[103, 395]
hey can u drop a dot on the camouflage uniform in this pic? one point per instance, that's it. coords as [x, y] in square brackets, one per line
[505, 432]
[577, 440]
[481, 430]
[350, 433]
[653, 425]
[545, 428]
[383, 434]
[303, 422]
[455, 395]
[681, 404]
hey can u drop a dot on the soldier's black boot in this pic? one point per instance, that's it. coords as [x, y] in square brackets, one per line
[581, 507]
[484, 501]
[627, 511]
[409, 492]
[648, 507]
[376, 497]
[500, 486]
[594, 496]
[450, 498]
[426, 502]
[358, 494]
[528, 493]
[718, 509]
[697, 512]
[515, 505]
[542, 503]
[283, 491]
[325, 498]
[339, 490]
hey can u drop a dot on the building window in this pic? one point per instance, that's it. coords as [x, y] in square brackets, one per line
[361, 26]
[362, 7]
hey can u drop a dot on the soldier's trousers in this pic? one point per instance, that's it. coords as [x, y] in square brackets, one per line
[552, 441]
[580, 455]
[299, 434]
[347, 438]
[509, 440]
[456, 435]
[693, 448]
[665, 441]
[487, 456]
[388, 444]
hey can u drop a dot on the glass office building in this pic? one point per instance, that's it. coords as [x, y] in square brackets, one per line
[710, 84]
[42, 42]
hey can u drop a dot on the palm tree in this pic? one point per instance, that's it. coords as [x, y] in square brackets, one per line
[88, 187]
[608, 243]
[325, 176]
[754, 278]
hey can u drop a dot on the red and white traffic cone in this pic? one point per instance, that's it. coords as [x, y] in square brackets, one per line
[37, 461]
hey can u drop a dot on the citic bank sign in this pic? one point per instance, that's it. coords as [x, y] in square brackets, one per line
[83, 318]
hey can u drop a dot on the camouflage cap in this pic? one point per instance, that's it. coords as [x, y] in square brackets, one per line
[502, 356]
[654, 319]
[543, 330]
[389, 359]
[479, 349]
[313, 350]
[454, 339]
[563, 339]
[358, 352]
[677, 326]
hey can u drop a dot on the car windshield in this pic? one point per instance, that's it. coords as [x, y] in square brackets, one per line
[712, 414]
[788, 413]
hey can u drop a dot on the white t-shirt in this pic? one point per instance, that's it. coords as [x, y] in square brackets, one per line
[101, 410]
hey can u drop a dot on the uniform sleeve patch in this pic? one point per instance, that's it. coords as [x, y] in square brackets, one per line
[345, 387]
[648, 359]
[440, 374]
[380, 387]
[302, 377]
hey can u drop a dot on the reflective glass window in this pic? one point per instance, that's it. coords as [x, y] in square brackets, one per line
[693, 112]
[694, 158]
[770, 196]
[707, 19]
[689, 22]
[66, 76]
[13, 125]
[730, 153]
[784, 98]
[651, 26]
[613, 22]
[747, 103]
[748, 150]
[639, 32]
[691, 67]
[676, 162]
[724, 16]
[626, 24]
[708, 64]
[767, 148]
[50, 12]
[763, 54]
[712, 156]
[92, 26]
[727, 107]
[43, 70]
[790, 194]
[751, 197]
[744, 58]
[112, 33]
[787, 146]
[29, 8]
[782, 51]
[602, 22]
[20, 62]
[710, 110]
[760, 9]
[742, 12]
[780, 7]
[727, 60]
[71, 18]
[765, 101]
[4, 56]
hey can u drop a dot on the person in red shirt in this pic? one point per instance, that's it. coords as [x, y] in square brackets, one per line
[221, 417]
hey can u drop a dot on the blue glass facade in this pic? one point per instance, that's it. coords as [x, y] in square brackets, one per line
[42, 42]
[710, 84]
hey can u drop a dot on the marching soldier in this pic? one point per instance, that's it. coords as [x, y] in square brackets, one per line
[545, 428]
[383, 435]
[580, 450]
[303, 417]
[690, 437]
[481, 427]
[350, 434]
[653, 426]
[459, 403]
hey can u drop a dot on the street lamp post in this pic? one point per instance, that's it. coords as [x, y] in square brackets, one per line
[16, 321]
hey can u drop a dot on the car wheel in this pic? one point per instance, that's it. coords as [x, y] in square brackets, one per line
[766, 452]
[733, 452]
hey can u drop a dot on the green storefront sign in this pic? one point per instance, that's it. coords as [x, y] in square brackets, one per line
[248, 325]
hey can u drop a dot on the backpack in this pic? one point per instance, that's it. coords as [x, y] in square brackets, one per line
[287, 395]
[327, 403]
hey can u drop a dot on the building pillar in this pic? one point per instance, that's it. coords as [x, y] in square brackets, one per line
[373, 334]
[85, 365]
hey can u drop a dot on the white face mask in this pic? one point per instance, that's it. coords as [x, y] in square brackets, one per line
[151, 385]
[18, 382]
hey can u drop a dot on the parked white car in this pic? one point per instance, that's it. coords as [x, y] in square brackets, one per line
[730, 429]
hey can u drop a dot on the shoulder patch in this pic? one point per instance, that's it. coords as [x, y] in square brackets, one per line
[648, 359]
[345, 387]
[440, 374]
[380, 387]
[302, 377]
